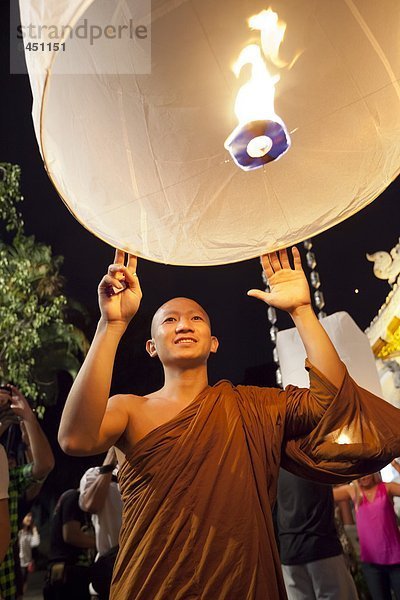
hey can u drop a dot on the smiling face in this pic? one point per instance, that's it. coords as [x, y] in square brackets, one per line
[181, 334]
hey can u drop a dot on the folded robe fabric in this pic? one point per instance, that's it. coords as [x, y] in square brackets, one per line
[198, 490]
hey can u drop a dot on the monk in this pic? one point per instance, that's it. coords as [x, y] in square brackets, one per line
[200, 474]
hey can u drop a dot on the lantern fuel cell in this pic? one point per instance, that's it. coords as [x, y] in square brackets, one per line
[257, 143]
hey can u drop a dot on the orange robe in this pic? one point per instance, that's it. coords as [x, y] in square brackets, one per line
[198, 490]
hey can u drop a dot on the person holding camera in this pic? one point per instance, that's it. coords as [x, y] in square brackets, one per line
[4, 514]
[21, 476]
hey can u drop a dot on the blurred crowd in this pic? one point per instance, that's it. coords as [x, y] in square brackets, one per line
[85, 524]
[339, 542]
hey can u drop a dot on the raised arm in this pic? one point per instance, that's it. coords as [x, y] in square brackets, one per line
[89, 423]
[393, 488]
[35, 540]
[395, 465]
[42, 455]
[289, 291]
[342, 492]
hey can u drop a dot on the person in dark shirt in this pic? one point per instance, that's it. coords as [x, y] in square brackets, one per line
[311, 554]
[71, 539]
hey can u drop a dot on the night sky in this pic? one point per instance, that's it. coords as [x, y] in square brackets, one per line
[239, 321]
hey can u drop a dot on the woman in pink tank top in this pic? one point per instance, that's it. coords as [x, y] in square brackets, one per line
[378, 532]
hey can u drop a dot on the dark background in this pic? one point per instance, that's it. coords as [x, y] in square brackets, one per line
[240, 322]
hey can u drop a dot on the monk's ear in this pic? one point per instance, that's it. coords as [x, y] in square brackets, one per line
[151, 348]
[214, 344]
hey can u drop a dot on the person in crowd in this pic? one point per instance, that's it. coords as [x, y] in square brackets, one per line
[28, 538]
[34, 489]
[21, 477]
[201, 463]
[100, 496]
[311, 553]
[5, 526]
[378, 532]
[350, 546]
[25, 502]
[72, 543]
[395, 465]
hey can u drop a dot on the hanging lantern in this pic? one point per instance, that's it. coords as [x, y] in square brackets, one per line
[134, 114]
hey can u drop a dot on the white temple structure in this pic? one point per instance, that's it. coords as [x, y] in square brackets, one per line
[384, 331]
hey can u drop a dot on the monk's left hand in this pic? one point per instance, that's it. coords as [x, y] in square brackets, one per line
[289, 290]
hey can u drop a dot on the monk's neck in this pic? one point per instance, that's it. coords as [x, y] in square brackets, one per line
[184, 386]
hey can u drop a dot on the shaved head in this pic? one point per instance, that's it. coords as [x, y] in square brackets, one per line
[170, 305]
[181, 335]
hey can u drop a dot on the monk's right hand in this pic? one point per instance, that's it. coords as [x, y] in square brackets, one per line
[118, 307]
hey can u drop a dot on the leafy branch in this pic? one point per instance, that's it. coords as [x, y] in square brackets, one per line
[37, 335]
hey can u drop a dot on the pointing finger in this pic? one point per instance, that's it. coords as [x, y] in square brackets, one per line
[119, 257]
[132, 263]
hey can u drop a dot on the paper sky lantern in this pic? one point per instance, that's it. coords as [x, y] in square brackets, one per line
[350, 342]
[353, 348]
[147, 151]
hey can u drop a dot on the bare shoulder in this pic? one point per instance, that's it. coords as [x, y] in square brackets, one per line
[126, 403]
[132, 411]
[133, 403]
[143, 414]
[121, 401]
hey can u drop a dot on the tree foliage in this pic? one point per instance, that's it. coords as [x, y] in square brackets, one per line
[37, 334]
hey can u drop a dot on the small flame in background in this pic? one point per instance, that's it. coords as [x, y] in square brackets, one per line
[255, 99]
[343, 439]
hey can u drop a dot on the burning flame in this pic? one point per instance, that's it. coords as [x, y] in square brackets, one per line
[255, 99]
[343, 439]
[272, 34]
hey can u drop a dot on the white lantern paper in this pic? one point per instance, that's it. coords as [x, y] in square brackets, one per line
[350, 342]
[140, 159]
